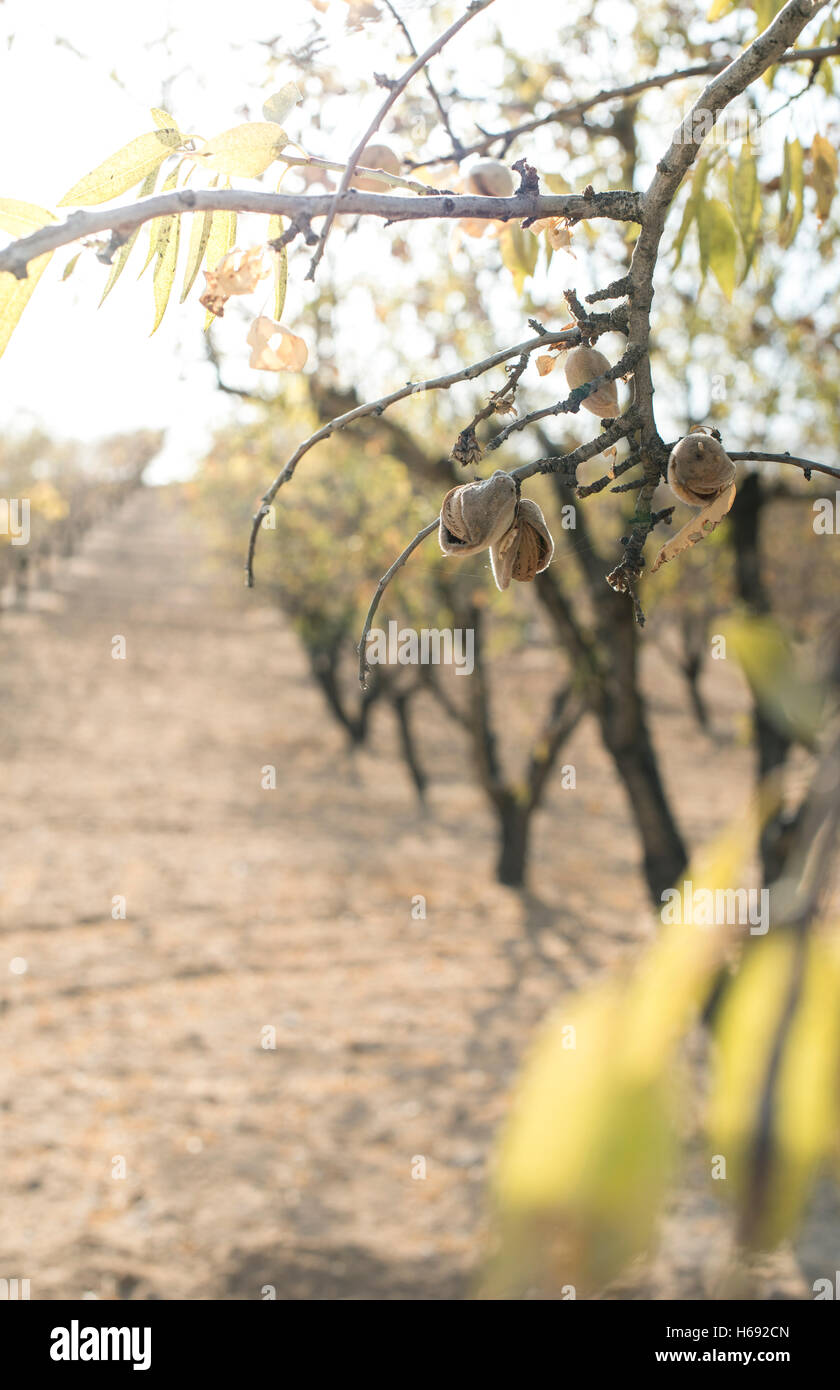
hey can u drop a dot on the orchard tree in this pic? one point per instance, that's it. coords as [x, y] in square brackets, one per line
[589, 1150]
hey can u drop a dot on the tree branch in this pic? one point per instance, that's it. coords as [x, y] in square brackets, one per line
[301, 207]
[411, 388]
[572, 114]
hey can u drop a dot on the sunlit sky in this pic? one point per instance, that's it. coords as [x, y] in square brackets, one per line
[77, 80]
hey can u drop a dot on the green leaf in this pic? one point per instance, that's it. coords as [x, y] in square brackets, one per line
[165, 266]
[124, 169]
[119, 261]
[20, 219]
[70, 266]
[746, 203]
[281, 266]
[280, 104]
[245, 150]
[718, 242]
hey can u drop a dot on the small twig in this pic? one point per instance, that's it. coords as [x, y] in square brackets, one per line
[572, 404]
[571, 115]
[808, 466]
[364, 667]
[569, 463]
[433, 92]
[466, 449]
[311, 161]
[599, 485]
[395, 91]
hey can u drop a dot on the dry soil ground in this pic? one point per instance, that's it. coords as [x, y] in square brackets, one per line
[141, 1039]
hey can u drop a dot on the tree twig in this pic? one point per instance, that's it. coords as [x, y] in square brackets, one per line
[364, 667]
[432, 89]
[395, 90]
[571, 114]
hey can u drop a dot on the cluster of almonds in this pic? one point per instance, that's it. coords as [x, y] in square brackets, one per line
[274, 348]
[475, 516]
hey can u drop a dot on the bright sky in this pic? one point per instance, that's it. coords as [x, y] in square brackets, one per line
[77, 81]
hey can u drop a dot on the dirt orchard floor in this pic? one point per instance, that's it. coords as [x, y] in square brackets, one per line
[247, 909]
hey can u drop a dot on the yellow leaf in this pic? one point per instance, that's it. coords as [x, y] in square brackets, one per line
[123, 253]
[199, 237]
[246, 150]
[746, 203]
[158, 224]
[124, 169]
[222, 237]
[793, 182]
[519, 254]
[718, 242]
[719, 8]
[163, 120]
[280, 103]
[165, 266]
[824, 162]
[20, 219]
[586, 1153]
[776, 1059]
[790, 698]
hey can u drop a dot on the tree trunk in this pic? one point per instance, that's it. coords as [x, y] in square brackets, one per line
[514, 827]
[409, 747]
[625, 732]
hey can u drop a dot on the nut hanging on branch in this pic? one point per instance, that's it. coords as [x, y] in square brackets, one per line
[525, 550]
[490, 178]
[584, 364]
[474, 515]
[701, 473]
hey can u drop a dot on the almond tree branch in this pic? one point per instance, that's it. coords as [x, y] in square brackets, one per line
[570, 336]
[395, 90]
[572, 404]
[301, 207]
[572, 114]
[808, 466]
